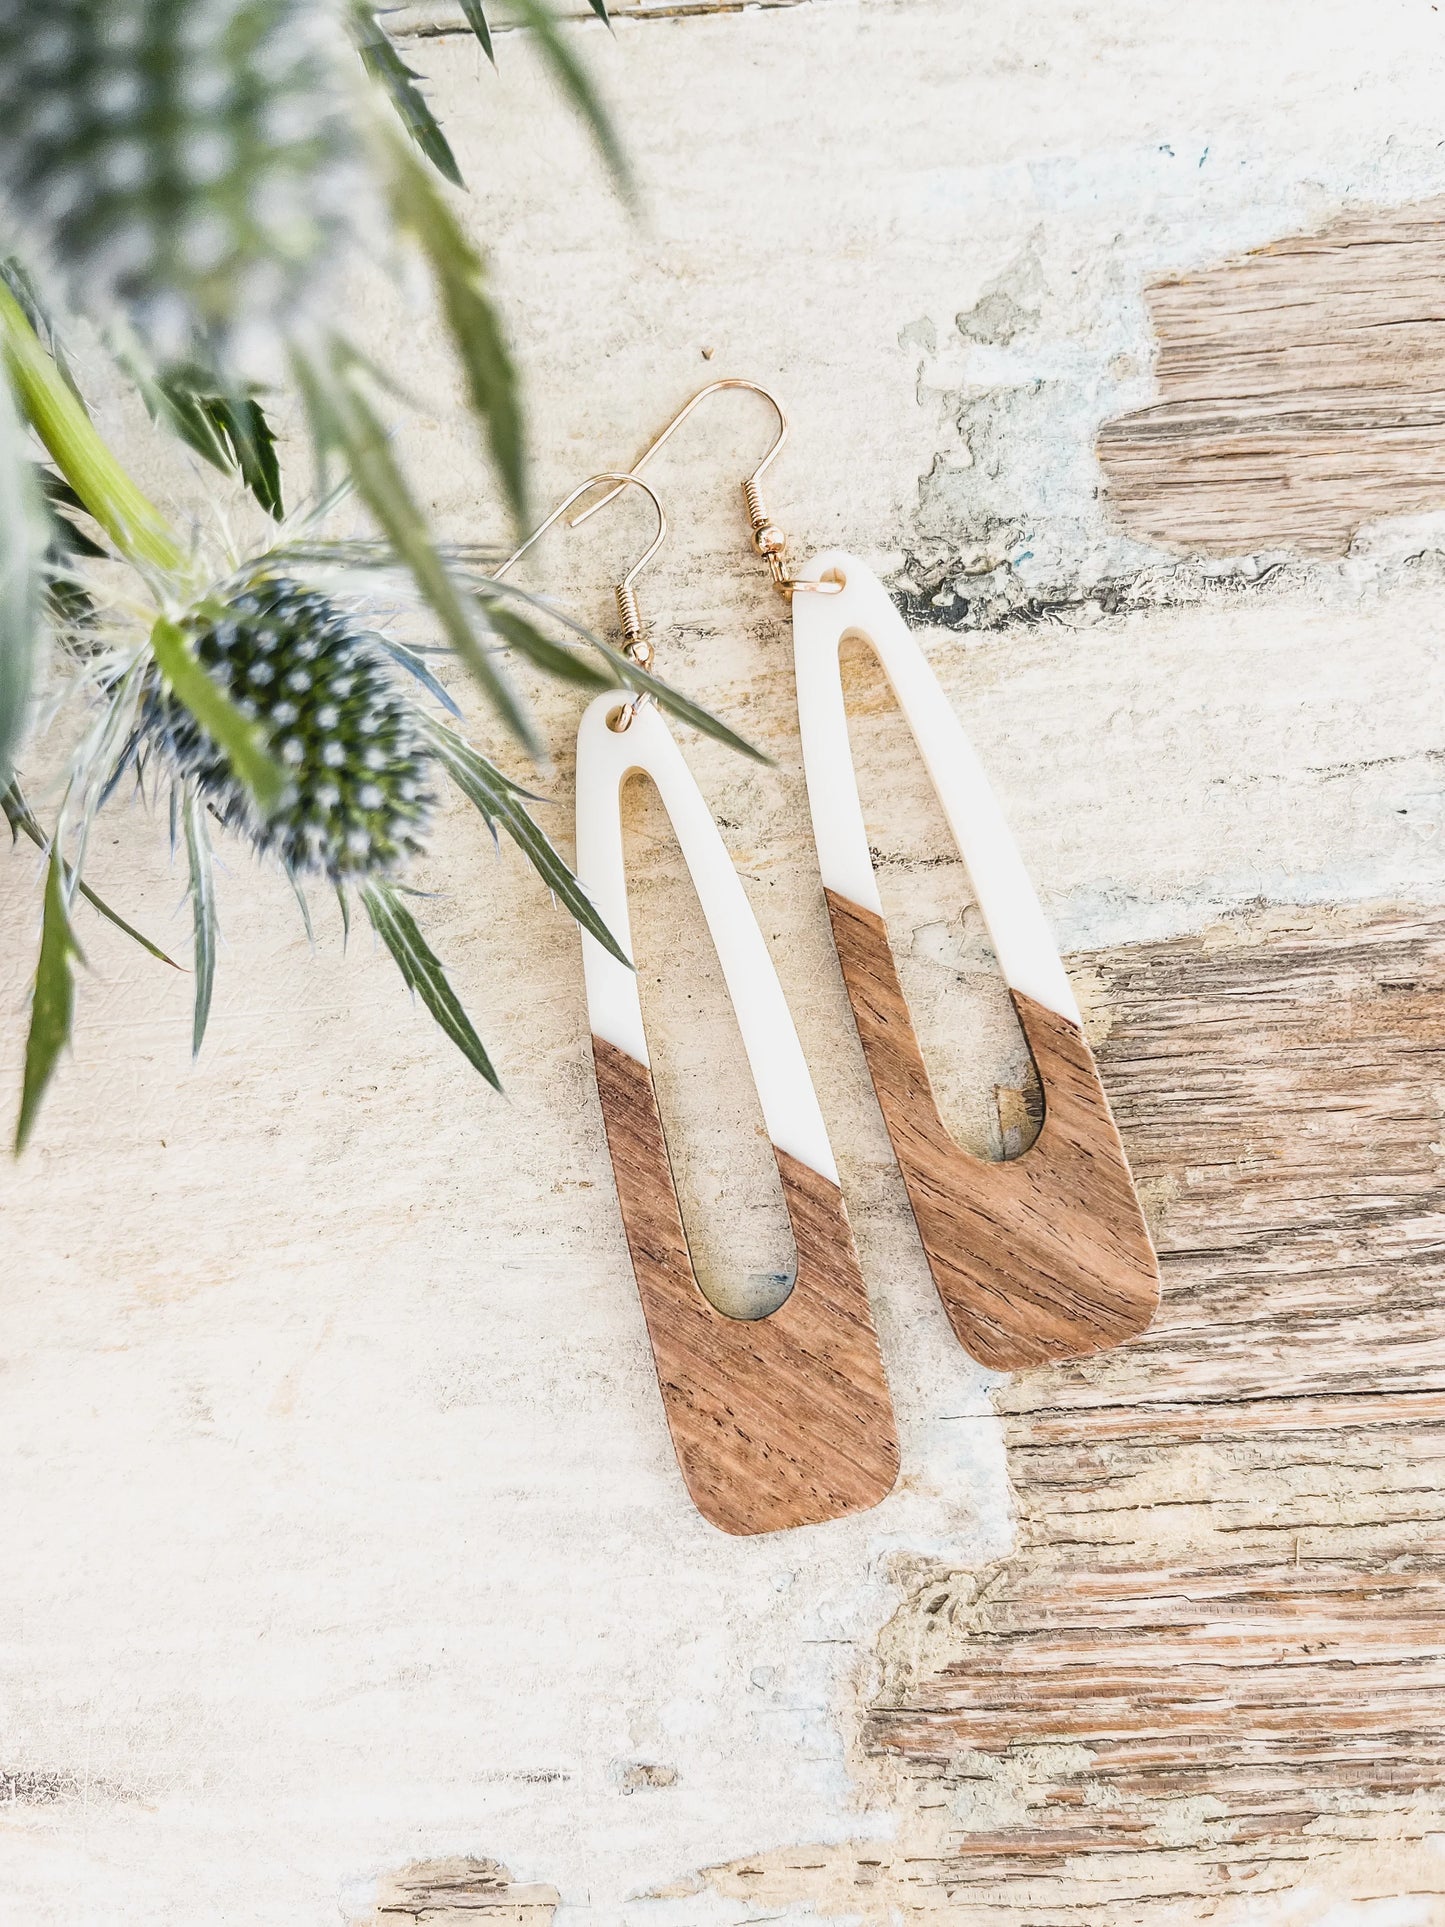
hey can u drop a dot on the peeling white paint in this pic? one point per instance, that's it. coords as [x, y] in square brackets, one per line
[340, 1521]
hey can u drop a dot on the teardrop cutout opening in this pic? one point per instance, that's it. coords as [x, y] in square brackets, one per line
[984, 1081]
[738, 1231]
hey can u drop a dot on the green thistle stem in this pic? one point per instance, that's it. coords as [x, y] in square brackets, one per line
[129, 518]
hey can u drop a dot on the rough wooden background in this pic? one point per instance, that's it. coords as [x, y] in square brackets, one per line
[1216, 1663]
[1301, 392]
[1212, 1672]
[347, 1574]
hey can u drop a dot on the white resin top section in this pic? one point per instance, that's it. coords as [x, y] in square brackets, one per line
[1022, 940]
[605, 758]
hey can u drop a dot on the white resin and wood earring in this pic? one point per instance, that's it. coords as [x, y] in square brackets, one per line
[777, 1421]
[1046, 1256]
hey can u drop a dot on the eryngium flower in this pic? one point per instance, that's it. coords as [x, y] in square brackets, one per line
[189, 161]
[324, 696]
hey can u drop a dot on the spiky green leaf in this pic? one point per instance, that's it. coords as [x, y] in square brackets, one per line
[252, 443]
[501, 802]
[568, 665]
[423, 973]
[624, 671]
[386, 66]
[236, 736]
[343, 419]
[68, 602]
[22, 821]
[477, 21]
[683, 707]
[52, 1005]
[576, 83]
[231, 432]
[304, 907]
[205, 925]
[66, 537]
[414, 665]
[422, 210]
[173, 401]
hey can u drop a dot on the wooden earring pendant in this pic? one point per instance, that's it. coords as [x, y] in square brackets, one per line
[1046, 1256]
[777, 1421]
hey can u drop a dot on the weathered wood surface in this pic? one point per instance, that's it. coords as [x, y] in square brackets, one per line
[1215, 1668]
[1301, 392]
[443, 1893]
[327, 1366]
[778, 1421]
[1044, 1257]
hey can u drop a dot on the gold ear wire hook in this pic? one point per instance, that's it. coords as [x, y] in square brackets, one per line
[769, 541]
[635, 644]
[713, 388]
[633, 639]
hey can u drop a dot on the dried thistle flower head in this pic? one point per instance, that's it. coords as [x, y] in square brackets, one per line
[325, 697]
[188, 161]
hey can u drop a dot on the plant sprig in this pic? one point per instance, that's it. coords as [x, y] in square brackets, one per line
[179, 705]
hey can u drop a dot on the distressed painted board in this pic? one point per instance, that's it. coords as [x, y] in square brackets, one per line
[1301, 391]
[1210, 1677]
[1231, 1588]
[335, 1463]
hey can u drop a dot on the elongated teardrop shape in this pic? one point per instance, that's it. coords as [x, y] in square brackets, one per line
[777, 1421]
[1046, 1256]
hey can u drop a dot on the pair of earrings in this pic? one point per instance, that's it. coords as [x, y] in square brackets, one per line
[786, 1420]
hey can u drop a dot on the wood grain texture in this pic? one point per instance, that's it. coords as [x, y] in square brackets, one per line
[1229, 1604]
[1207, 1686]
[1043, 1257]
[461, 1891]
[1301, 392]
[779, 1421]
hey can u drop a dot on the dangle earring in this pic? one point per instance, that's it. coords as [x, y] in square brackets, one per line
[777, 1421]
[1046, 1256]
